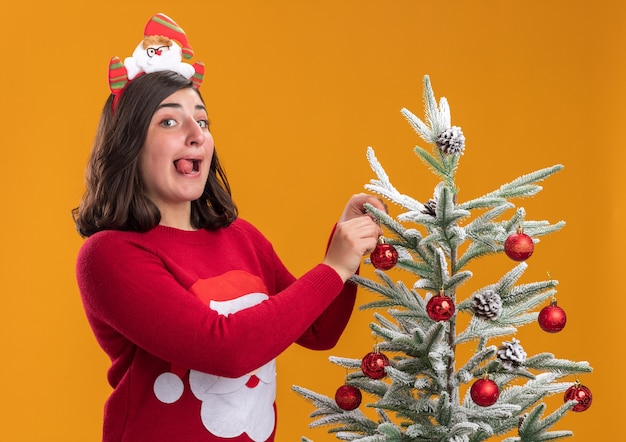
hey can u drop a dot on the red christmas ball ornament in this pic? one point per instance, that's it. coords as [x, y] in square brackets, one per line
[384, 256]
[440, 307]
[552, 318]
[484, 392]
[580, 393]
[348, 397]
[519, 246]
[373, 365]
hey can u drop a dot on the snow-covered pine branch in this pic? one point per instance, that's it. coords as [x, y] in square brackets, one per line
[383, 186]
[397, 295]
[560, 367]
[534, 429]
[522, 186]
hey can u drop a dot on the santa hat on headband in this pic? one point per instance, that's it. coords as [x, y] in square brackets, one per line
[161, 24]
[121, 73]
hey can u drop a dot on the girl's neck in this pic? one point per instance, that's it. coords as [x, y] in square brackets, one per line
[179, 218]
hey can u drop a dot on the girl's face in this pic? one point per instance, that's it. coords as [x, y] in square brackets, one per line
[175, 159]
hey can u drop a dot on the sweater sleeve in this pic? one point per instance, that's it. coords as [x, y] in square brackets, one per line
[132, 299]
[325, 332]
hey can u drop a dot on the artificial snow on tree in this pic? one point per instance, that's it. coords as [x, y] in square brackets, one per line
[427, 393]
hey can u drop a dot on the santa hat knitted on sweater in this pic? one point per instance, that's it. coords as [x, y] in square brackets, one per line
[161, 24]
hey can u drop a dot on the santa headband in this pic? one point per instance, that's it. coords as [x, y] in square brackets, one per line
[163, 48]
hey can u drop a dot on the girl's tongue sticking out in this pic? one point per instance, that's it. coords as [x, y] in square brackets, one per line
[184, 166]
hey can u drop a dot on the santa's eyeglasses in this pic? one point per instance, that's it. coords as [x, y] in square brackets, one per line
[156, 51]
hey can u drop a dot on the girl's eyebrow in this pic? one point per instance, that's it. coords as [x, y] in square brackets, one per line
[169, 105]
[198, 106]
[179, 106]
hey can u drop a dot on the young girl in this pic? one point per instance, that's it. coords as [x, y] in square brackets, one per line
[189, 301]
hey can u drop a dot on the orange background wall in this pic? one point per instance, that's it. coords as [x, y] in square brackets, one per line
[296, 91]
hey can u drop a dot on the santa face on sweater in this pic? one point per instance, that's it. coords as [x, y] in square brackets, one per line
[230, 406]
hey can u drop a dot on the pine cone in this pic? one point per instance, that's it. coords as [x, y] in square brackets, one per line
[521, 420]
[451, 141]
[430, 207]
[511, 354]
[487, 305]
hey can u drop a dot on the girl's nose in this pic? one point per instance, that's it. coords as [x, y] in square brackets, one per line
[196, 135]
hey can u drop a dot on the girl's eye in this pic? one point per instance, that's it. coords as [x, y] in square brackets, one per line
[170, 122]
[204, 124]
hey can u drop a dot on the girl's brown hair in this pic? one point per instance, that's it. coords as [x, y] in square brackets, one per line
[114, 198]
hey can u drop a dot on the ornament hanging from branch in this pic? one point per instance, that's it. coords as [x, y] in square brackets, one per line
[519, 246]
[440, 307]
[580, 393]
[384, 256]
[348, 397]
[485, 392]
[373, 365]
[552, 318]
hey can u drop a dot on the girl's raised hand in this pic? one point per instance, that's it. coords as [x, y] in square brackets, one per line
[356, 235]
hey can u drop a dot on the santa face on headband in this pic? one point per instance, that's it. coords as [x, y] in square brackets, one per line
[163, 48]
[157, 53]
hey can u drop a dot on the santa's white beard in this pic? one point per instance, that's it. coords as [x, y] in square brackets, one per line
[231, 408]
[167, 59]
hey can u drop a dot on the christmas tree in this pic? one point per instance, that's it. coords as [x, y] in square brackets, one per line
[420, 390]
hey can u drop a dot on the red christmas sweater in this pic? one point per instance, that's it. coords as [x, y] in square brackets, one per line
[193, 322]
